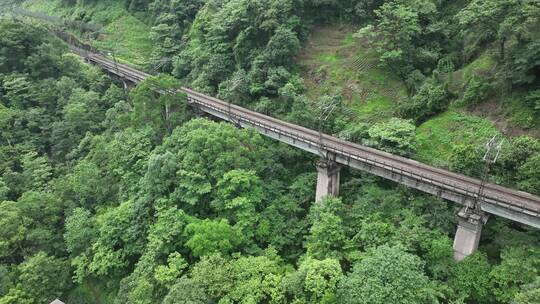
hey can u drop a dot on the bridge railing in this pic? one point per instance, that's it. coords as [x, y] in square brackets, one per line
[466, 191]
[467, 188]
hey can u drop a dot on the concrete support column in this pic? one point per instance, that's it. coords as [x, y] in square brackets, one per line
[327, 179]
[468, 232]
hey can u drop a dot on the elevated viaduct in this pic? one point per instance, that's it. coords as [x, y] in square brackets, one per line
[477, 200]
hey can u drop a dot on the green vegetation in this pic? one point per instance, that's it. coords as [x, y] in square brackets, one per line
[336, 62]
[125, 35]
[124, 196]
[438, 136]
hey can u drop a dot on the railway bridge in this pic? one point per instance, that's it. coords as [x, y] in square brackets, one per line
[478, 200]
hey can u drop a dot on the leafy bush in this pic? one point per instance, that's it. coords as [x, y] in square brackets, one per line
[478, 90]
[467, 159]
[432, 98]
[395, 136]
[355, 133]
[387, 275]
[529, 175]
[533, 100]
[469, 281]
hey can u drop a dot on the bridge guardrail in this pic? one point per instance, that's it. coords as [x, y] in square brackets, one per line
[443, 183]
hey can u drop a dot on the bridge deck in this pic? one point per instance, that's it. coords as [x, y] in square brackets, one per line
[514, 205]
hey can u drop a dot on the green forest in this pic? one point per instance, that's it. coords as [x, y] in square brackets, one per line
[113, 194]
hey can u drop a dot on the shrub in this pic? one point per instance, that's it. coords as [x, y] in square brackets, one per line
[432, 98]
[396, 136]
[477, 90]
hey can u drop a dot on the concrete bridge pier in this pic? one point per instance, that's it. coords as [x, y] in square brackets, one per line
[470, 222]
[327, 179]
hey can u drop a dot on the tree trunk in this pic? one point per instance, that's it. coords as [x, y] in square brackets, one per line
[502, 47]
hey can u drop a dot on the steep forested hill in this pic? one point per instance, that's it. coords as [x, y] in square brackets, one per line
[109, 195]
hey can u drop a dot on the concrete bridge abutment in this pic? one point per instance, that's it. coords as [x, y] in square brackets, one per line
[328, 172]
[469, 230]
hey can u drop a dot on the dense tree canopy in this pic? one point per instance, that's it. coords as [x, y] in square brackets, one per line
[122, 195]
[387, 274]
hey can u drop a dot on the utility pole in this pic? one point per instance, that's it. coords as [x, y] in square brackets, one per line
[328, 171]
[472, 218]
[115, 62]
[235, 84]
[325, 110]
[493, 149]
[159, 64]
[112, 53]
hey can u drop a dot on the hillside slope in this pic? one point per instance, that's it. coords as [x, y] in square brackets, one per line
[439, 101]
[124, 34]
[333, 61]
[451, 106]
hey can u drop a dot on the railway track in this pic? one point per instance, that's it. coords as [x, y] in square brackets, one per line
[508, 199]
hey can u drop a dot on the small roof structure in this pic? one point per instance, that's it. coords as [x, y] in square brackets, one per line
[57, 302]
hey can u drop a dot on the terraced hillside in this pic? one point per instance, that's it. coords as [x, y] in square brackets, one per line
[334, 61]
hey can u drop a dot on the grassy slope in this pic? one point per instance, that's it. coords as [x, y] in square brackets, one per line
[124, 34]
[509, 113]
[437, 136]
[334, 61]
